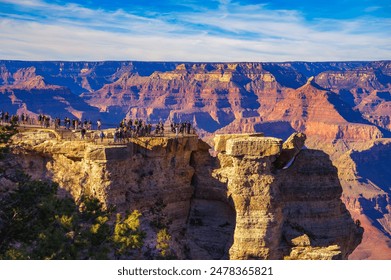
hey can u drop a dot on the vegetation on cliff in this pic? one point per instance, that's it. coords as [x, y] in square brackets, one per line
[37, 223]
[5, 134]
[237, 205]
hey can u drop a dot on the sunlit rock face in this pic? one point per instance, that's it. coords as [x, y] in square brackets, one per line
[213, 95]
[342, 107]
[259, 198]
[280, 212]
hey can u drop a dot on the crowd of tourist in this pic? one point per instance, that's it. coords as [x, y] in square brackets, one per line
[138, 128]
[24, 119]
[126, 129]
[6, 117]
[74, 124]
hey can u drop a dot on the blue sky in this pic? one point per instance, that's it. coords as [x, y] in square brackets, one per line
[190, 30]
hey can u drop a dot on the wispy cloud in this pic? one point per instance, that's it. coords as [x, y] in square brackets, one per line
[37, 30]
[372, 9]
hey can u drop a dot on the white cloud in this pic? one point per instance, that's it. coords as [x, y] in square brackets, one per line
[27, 3]
[372, 9]
[231, 33]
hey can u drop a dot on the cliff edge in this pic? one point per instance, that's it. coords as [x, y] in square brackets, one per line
[259, 198]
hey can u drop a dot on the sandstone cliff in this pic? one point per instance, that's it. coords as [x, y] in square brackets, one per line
[213, 95]
[238, 205]
[342, 107]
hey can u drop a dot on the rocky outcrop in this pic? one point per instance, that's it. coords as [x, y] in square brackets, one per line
[294, 213]
[290, 149]
[340, 106]
[363, 168]
[213, 95]
[246, 167]
[238, 205]
[313, 209]
[151, 175]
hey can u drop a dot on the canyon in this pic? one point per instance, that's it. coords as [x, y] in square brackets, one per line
[259, 198]
[343, 108]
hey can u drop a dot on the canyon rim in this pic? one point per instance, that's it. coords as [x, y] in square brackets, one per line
[342, 108]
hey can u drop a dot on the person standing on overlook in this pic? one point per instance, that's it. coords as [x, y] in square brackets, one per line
[101, 136]
[99, 123]
[83, 133]
[176, 131]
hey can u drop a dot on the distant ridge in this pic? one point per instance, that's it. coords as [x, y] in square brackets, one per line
[344, 108]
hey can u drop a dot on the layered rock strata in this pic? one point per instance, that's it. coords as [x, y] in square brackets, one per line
[342, 107]
[294, 213]
[238, 205]
[246, 167]
[151, 175]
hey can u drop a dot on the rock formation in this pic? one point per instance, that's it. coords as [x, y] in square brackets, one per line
[238, 205]
[213, 95]
[291, 147]
[280, 213]
[246, 167]
[342, 107]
